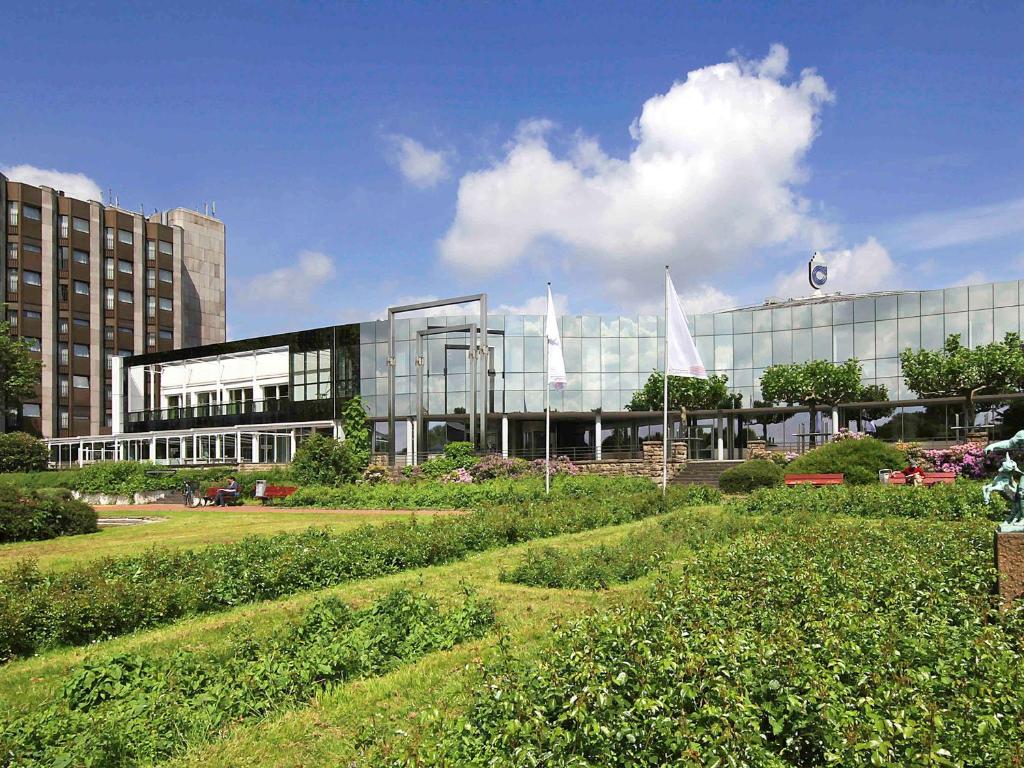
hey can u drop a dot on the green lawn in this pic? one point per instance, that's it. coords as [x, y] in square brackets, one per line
[182, 528]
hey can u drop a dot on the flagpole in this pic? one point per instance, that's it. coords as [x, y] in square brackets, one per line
[664, 424]
[547, 408]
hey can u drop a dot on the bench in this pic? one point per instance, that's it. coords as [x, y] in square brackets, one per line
[930, 478]
[211, 494]
[815, 480]
[272, 492]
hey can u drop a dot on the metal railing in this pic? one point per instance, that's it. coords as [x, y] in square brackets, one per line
[234, 408]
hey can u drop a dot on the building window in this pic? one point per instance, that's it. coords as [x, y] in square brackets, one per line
[125, 236]
[12, 251]
[109, 355]
[81, 322]
[166, 335]
[82, 413]
[166, 248]
[12, 318]
[32, 278]
[63, 418]
[311, 375]
[31, 212]
[63, 385]
[125, 297]
[81, 257]
[166, 305]
[151, 278]
[151, 306]
[63, 227]
[108, 298]
[30, 248]
[108, 333]
[81, 350]
[108, 268]
[150, 339]
[62, 353]
[80, 225]
[80, 382]
[125, 329]
[151, 250]
[108, 237]
[124, 267]
[12, 281]
[31, 314]
[62, 326]
[81, 288]
[62, 292]
[34, 344]
[31, 410]
[166, 276]
[12, 213]
[62, 257]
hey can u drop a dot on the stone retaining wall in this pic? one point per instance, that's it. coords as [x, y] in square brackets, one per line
[647, 466]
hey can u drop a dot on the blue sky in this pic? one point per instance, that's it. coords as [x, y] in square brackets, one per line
[362, 155]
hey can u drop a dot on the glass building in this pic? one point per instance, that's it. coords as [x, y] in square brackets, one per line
[607, 358]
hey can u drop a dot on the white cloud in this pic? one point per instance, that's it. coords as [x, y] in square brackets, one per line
[712, 176]
[420, 166]
[450, 310]
[962, 226]
[973, 278]
[290, 285]
[866, 267]
[76, 185]
[537, 305]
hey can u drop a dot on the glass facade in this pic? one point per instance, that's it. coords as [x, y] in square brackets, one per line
[608, 358]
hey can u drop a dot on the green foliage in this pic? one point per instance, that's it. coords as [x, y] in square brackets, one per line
[131, 709]
[808, 642]
[460, 450]
[322, 460]
[858, 460]
[749, 475]
[812, 383]
[357, 437]
[957, 371]
[113, 596]
[959, 501]
[42, 514]
[20, 452]
[19, 370]
[684, 393]
[692, 496]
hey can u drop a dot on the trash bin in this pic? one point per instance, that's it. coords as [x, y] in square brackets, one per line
[261, 489]
[883, 476]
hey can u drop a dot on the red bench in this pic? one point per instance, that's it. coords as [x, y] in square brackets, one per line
[930, 478]
[272, 492]
[211, 494]
[815, 480]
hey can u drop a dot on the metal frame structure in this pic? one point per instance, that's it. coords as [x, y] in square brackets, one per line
[477, 351]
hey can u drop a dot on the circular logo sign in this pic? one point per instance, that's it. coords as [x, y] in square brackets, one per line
[819, 275]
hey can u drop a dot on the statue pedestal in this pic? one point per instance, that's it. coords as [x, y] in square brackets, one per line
[1010, 564]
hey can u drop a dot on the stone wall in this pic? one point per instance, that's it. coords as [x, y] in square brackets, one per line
[647, 466]
[1010, 565]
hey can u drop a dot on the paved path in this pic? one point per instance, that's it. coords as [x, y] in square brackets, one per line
[141, 510]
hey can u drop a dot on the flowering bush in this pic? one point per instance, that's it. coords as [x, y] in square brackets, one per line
[376, 474]
[776, 457]
[460, 475]
[560, 465]
[845, 434]
[493, 466]
[916, 453]
[966, 459]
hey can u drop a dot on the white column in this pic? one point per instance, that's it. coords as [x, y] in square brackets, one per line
[152, 449]
[410, 441]
[292, 436]
[721, 442]
[116, 398]
[181, 449]
[81, 453]
[597, 435]
[255, 448]
[504, 435]
[238, 447]
[835, 421]
[195, 448]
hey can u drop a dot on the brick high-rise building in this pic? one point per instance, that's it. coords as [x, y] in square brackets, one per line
[86, 282]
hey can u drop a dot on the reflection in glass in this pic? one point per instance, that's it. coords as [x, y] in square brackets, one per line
[821, 314]
[955, 299]
[980, 296]
[802, 317]
[842, 342]
[743, 356]
[610, 355]
[981, 327]
[762, 349]
[801, 345]
[885, 338]
[842, 312]
[864, 340]
[909, 333]
[782, 347]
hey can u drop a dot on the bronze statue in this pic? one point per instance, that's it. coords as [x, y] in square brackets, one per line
[1008, 479]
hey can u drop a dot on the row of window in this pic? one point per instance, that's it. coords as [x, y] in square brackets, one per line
[81, 287]
[126, 236]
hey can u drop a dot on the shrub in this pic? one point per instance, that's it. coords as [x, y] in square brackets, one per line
[749, 475]
[460, 451]
[560, 465]
[962, 500]
[131, 709]
[43, 514]
[965, 459]
[357, 437]
[375, 474]
[776, 457]
[858, 459]
[322, 460]
[494, 465]
[20, 452]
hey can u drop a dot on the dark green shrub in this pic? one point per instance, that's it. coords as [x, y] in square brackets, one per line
[460, 451]
[357, 437]
[322, 460]
[43, 514]
[859, 460]
[749, 475]
[20, 452]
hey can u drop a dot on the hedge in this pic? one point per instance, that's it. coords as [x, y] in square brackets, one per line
[958, 501]
[131, 709]
[749, 475]
[859, 460]
[811, 642]
[113, 596]
[42, 514]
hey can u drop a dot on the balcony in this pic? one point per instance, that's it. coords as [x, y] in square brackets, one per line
[236, 413]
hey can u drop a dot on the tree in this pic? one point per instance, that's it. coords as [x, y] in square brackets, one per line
[684, 393]
[19, 372]
[812, 384]
[357, 433]
[958, 371]
[20, 452]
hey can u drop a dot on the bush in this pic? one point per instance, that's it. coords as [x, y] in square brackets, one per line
[749, 475]
[960, 501]
[131, 709]
[322, 460]
[43, 514]
[494, 465]
[858, 459]
[113, 596]
[460, 451]
[20, 452]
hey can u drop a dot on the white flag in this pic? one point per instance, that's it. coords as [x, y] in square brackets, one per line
[681, 356]
[556, 363]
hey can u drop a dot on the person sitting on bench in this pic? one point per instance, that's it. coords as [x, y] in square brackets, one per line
[914, 474]
[226, 493]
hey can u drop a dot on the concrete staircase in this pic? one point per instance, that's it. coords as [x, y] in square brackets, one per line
[703, 472]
